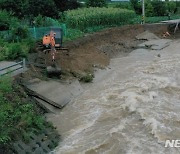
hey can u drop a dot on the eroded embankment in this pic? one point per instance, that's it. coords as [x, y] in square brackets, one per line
[95, 50]
[133, 108]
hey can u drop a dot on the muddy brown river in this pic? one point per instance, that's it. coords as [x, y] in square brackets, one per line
[133, 107]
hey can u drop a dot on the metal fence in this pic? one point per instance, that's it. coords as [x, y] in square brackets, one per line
[39, 32]
[13, 67]
[35, 32]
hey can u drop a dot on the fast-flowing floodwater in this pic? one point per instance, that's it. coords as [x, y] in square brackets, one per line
[131, 108]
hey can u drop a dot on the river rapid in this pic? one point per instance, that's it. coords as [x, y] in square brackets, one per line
[133, 107]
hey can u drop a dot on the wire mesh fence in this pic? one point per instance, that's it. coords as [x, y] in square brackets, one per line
[35, 32]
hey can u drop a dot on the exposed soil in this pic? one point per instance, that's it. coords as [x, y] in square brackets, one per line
[96, 50]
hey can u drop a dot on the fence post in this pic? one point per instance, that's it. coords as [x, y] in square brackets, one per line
[24, 63]
[64, 29]
[34, 28]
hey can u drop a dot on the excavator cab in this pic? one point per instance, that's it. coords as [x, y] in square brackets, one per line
[55, 33]
[58, 35]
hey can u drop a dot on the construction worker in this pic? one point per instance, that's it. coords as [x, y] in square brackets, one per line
[46, 40]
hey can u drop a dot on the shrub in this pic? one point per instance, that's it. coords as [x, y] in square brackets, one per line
[18, 33]
[96, 3]
[14, 51]
[87, 78]
[7, 20]
[89, 17]
[41, 21]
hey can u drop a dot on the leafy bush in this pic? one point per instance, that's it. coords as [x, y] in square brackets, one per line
[87, 78]
[14, 51]
[7, 20]
[96, 3]
[18, 33]
[41, 21]
[89, 17]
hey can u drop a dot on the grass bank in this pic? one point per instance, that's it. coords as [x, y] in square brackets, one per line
[19, 116]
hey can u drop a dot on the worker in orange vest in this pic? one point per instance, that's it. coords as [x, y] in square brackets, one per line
[46, 40]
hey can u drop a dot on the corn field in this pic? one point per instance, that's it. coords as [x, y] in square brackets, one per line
[89, 17]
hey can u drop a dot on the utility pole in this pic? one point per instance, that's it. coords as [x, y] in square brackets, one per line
[143, 12]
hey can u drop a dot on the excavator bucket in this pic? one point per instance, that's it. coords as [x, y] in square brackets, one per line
[53, 70]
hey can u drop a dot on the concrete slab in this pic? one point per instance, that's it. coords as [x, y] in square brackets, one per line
[156, 44]
[147, 36]
[4, 64]
[55, 93]
[139, 52]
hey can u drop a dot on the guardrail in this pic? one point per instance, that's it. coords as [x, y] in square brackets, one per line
[10, 68]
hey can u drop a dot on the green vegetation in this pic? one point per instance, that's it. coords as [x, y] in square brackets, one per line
[29, 9]
[156, 7]
[137, 20]
[122, 5]
[73, 34]
[87, 78]
[16, 50]
[18, 117]
[161, 18]
[96, 3]
[89, 17]
[7, 21]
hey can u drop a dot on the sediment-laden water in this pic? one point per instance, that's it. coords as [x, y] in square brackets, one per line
[132, 108]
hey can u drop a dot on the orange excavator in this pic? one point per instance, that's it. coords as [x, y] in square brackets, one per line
[51, 43]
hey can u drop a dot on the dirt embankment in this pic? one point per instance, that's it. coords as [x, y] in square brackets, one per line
[96, 50]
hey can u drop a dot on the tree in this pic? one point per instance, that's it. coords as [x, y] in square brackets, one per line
[27, 8]
[171, 6]
[7, 20]
[64, 5]
[42, 7]
[16, 7]
[137, 6]
[96, 3]
[149, 8]
[159, 8]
